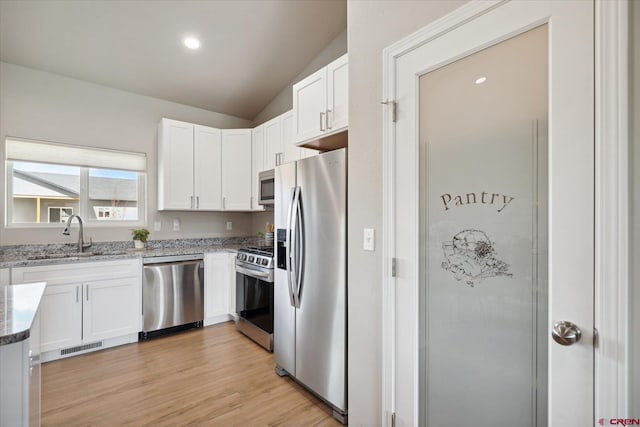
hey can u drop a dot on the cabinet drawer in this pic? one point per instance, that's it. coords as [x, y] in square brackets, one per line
[77, 272]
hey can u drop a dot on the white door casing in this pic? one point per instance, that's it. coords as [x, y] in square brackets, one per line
[571, 201]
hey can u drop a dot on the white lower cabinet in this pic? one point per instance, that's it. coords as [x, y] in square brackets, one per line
[219, 287]
[20, 385]
[5, 276]
[110, 308]
[86, 306]
[61, 316]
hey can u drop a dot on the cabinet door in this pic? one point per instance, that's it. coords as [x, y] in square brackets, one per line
[272, 142]
[175, 165]
[257, 164]
[236, 169]
[207, 168]
[4, 276]
[338, 94]
[111, 308]
[217, 284]
[290, 150]
[61, 316]
[309, 106]
[231, 268]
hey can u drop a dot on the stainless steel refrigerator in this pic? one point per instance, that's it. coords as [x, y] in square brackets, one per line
[310, 291]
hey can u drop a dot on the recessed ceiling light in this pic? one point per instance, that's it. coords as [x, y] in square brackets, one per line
[192, 43]
[481, 80]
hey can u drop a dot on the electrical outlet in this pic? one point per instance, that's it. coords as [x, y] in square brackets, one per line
[157, 226]
[176, 224]
[229, 225]
[368, 239]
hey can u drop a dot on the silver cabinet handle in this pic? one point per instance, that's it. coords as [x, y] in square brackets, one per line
[322, 121]
[224, 203]
[277, 159]
[78, 293]
[197, 202]
[566, 333]
[328, 120]
[87, 287]
[191, 204]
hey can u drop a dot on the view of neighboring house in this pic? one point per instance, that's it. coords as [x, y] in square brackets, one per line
[50, 197]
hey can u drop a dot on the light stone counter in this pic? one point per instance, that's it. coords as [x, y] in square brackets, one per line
[18, 307]
[49, 254]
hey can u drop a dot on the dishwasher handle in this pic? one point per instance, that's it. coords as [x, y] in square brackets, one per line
[164, 264]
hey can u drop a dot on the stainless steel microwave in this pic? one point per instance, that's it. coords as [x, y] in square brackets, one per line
[266, 187]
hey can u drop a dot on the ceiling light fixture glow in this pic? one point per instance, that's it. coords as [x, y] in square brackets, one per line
[192, 43]
[481, 80]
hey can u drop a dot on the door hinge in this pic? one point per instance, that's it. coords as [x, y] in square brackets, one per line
[393, 105]
[393, 267]
[393, 419]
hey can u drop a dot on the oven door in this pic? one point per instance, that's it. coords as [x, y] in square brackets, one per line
[254, 301]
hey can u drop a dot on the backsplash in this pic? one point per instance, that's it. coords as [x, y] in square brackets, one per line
[30, 249]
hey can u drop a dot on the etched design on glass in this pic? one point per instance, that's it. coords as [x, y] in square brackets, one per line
[470, 256]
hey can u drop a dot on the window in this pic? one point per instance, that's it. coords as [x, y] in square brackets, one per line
[47, 183]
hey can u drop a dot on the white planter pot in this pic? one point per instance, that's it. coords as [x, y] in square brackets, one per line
[138, 244]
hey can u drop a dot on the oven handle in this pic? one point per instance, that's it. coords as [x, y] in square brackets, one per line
[252, 273]
[289, 245]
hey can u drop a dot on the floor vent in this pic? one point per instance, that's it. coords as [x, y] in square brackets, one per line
[78, 348]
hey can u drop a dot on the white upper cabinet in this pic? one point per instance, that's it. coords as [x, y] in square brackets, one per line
[189, 160]
[291, 152]
[202, 168]
[207, 161]
[257, 164]
[338, 94]
[175, 165]
[236, 169]
[272, 143]
[321, 102]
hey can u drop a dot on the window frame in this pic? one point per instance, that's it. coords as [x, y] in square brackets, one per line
[83, 202]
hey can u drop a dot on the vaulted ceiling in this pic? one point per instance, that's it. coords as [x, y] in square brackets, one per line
[251, 49]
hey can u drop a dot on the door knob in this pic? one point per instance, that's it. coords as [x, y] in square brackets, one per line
[566, 333]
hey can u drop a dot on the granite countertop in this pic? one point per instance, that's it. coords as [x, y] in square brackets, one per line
[48, 254]
[18, 307]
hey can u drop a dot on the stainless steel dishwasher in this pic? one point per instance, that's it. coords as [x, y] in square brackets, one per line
[172, 293]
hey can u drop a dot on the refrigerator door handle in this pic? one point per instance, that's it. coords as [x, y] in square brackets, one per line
[300, 245]
[295, 247]
[289, 246]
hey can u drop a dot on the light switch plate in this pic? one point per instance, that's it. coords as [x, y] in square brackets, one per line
[369, 239]
[229, 225]
[157, 226]
[176, 224]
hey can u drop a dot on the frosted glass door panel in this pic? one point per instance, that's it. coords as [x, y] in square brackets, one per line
[483, 142]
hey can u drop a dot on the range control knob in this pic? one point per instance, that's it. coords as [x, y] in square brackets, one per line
[251, 258]
[265, 261]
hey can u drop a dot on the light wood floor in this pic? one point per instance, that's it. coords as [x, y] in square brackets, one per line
[211, 377]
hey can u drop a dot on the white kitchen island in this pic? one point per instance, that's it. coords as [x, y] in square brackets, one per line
[20, 354]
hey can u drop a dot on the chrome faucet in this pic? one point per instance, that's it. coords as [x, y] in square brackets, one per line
[81, 245]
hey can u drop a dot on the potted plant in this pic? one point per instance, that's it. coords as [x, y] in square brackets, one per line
[140, 236]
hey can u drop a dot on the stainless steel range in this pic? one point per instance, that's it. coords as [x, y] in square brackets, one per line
[254, 294]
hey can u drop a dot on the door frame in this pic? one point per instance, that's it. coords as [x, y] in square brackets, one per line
[611, 257]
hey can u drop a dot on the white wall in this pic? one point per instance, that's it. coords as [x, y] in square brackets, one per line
[44, 106]
[283, 102]
[372, 26]
[634, 301]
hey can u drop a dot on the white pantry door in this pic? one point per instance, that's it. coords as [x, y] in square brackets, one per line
[491, 212]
